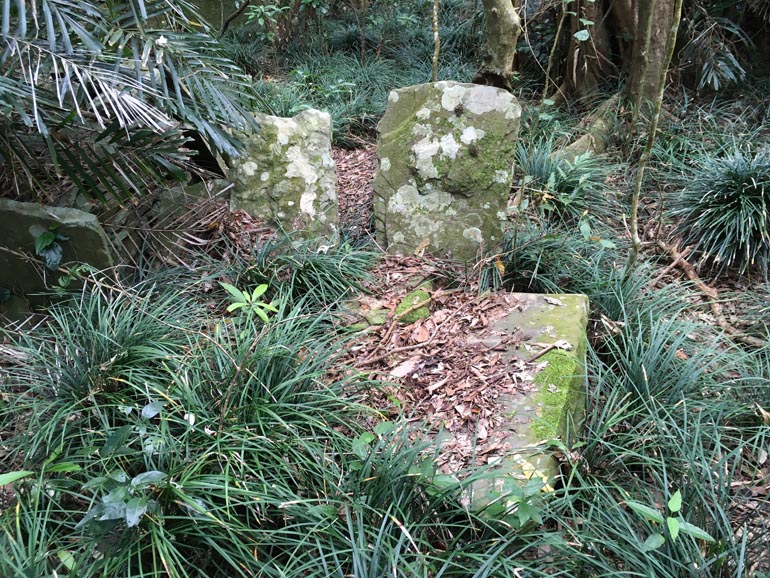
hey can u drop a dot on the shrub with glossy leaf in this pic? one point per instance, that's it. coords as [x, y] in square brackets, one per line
[724, 210]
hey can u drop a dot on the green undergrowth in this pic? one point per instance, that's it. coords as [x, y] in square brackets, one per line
[325, 68]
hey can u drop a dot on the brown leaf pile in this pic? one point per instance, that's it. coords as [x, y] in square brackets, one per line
[447, 370]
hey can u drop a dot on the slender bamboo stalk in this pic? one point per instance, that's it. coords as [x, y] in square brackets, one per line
[436, 40]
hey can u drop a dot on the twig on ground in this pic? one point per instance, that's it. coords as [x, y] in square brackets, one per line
[394, 323]
[682, 254]
[713, 295]
[372, 360]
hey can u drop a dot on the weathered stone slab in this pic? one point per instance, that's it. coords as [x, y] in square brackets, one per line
[446, 153]
[554, 410]
[21, 223]
[287, 174]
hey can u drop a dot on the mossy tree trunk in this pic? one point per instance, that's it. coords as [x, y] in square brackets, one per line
[503, 28]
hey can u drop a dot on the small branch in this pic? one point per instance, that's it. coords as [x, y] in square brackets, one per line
[394, 322]
[232, 17]
[713, 295]
[370, 360]
[671, 267]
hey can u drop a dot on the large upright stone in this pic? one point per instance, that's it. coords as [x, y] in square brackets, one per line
[21, 223]
[446, 153]
[287, 174]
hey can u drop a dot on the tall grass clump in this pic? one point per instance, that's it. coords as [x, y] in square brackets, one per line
[157, 439]
[303, 272]
[723, 210]
[563, 189]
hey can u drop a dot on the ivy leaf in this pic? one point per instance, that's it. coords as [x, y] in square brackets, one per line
[52, 255]
[675, 503]
[43, 241]
[135, 509]
[582, 35]
[654, 542]
[646, 512]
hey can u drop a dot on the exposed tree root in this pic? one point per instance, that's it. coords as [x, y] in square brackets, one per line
[598, 126]
[713, 295]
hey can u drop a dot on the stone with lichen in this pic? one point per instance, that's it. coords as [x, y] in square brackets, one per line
[446, 153]
[287, 175]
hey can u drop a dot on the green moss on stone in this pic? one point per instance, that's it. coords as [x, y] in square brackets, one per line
[560, 396]
[415, 297]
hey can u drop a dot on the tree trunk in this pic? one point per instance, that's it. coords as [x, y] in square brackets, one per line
[647, 62]
[589, 60]
[502, 34]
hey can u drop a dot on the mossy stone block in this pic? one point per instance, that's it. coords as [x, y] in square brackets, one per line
[554, 408]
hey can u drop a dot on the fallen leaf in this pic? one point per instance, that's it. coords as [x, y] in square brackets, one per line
[553, 301]
[406, 367]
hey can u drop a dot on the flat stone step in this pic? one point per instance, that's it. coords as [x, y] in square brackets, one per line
[552, 330]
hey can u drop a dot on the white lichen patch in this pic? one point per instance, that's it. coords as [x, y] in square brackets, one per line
[473, 234]
[423, 113]
[298, 166]
[483, 99]
[393, 96]
[471, 134]
[452, 96]
[449, 146]
[285, 129]
[264, 176]
[422, 130]
[249, 168]
[502, 176]
[424, 151]
[385, 164]
[307, 203]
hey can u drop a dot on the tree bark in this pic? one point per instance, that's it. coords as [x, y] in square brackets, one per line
[502, 34]
[648, 62]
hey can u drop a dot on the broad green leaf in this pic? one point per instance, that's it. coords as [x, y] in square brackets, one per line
[259, 290]
[43, 241]
[607, 244]
[135, 509]
[66, 558]
[115, 441]
[10, 477]
[384, 428]
[673, 527]
[148, 479]
[654, 542]
[585, 229]
[236, 293]
[261, 314]
[646, 512]
[63, 467]
[694, 531]
[582, 35]
[675, 503]
[235, 306]
[150, 410]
